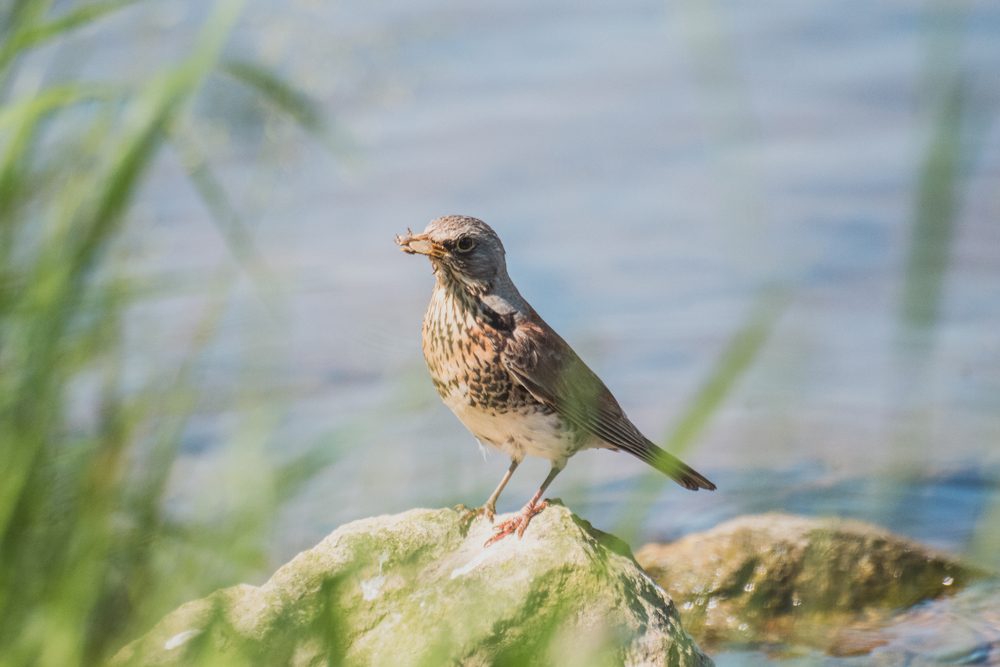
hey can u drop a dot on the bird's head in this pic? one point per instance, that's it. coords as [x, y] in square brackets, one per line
[462, 249]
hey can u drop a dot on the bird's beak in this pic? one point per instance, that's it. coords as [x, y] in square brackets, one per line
[419, 244]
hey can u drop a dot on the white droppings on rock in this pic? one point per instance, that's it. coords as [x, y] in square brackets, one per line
[478, 560]
[370, 588]
[180, 639]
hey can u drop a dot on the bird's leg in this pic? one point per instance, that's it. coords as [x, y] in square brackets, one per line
[489, 509]
[519, 522]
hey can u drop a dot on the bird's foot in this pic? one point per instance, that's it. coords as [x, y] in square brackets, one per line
[517, 523]
[470, 514]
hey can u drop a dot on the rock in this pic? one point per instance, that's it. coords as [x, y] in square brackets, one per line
[797, 580]
[420, 588]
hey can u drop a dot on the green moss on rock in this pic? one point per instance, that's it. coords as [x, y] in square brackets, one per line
[790, 579]
[419, 589]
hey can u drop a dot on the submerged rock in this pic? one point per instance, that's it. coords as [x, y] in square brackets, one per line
[797, 580]
[963, 629]
[420, 588]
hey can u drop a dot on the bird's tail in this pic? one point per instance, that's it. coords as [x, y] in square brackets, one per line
[673, 467]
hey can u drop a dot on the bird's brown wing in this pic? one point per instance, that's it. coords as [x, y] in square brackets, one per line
[544, 364]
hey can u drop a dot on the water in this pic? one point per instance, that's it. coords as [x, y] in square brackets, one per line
[651, 167]
[961, 630]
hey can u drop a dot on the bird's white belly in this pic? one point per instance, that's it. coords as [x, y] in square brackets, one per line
[517, 433]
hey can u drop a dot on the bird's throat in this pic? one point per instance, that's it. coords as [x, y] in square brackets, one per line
[462, 286]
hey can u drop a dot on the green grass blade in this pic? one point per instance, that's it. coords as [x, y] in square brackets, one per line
[732, 364]
[33, 34]
[20, 14]
[60, 277]
[162, 101]
[19, 112]
[280, 93]
[934, 218]
[224, 214]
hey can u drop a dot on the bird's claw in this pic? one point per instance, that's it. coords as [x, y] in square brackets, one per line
[517, 523]
[470, 514]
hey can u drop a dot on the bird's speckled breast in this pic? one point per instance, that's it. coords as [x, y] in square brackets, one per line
[463, 351]
[463, 356]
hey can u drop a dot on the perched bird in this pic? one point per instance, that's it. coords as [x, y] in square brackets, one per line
[507, 375]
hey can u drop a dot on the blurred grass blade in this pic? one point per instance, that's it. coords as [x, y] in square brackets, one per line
[737, 357]
[82, 16]
[31, 34]
[32, 109]
[279, 93]
[21, 120]
[224, 214]
[163, 100]
[292, 475]
[89, 438]
[734, 361]
[59, 280]
[22, 13]
[934, 218]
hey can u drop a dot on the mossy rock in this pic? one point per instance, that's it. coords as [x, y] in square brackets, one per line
[419, 588]
[797, 580]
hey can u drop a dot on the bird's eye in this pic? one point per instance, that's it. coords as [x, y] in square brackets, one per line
[465, 244]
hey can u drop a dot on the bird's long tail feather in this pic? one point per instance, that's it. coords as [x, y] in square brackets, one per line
[672, 467]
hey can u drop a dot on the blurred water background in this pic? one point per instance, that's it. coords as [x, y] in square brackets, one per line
[666, 177]
[652, 169]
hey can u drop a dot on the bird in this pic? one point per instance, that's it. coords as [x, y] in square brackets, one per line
[512, 380]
